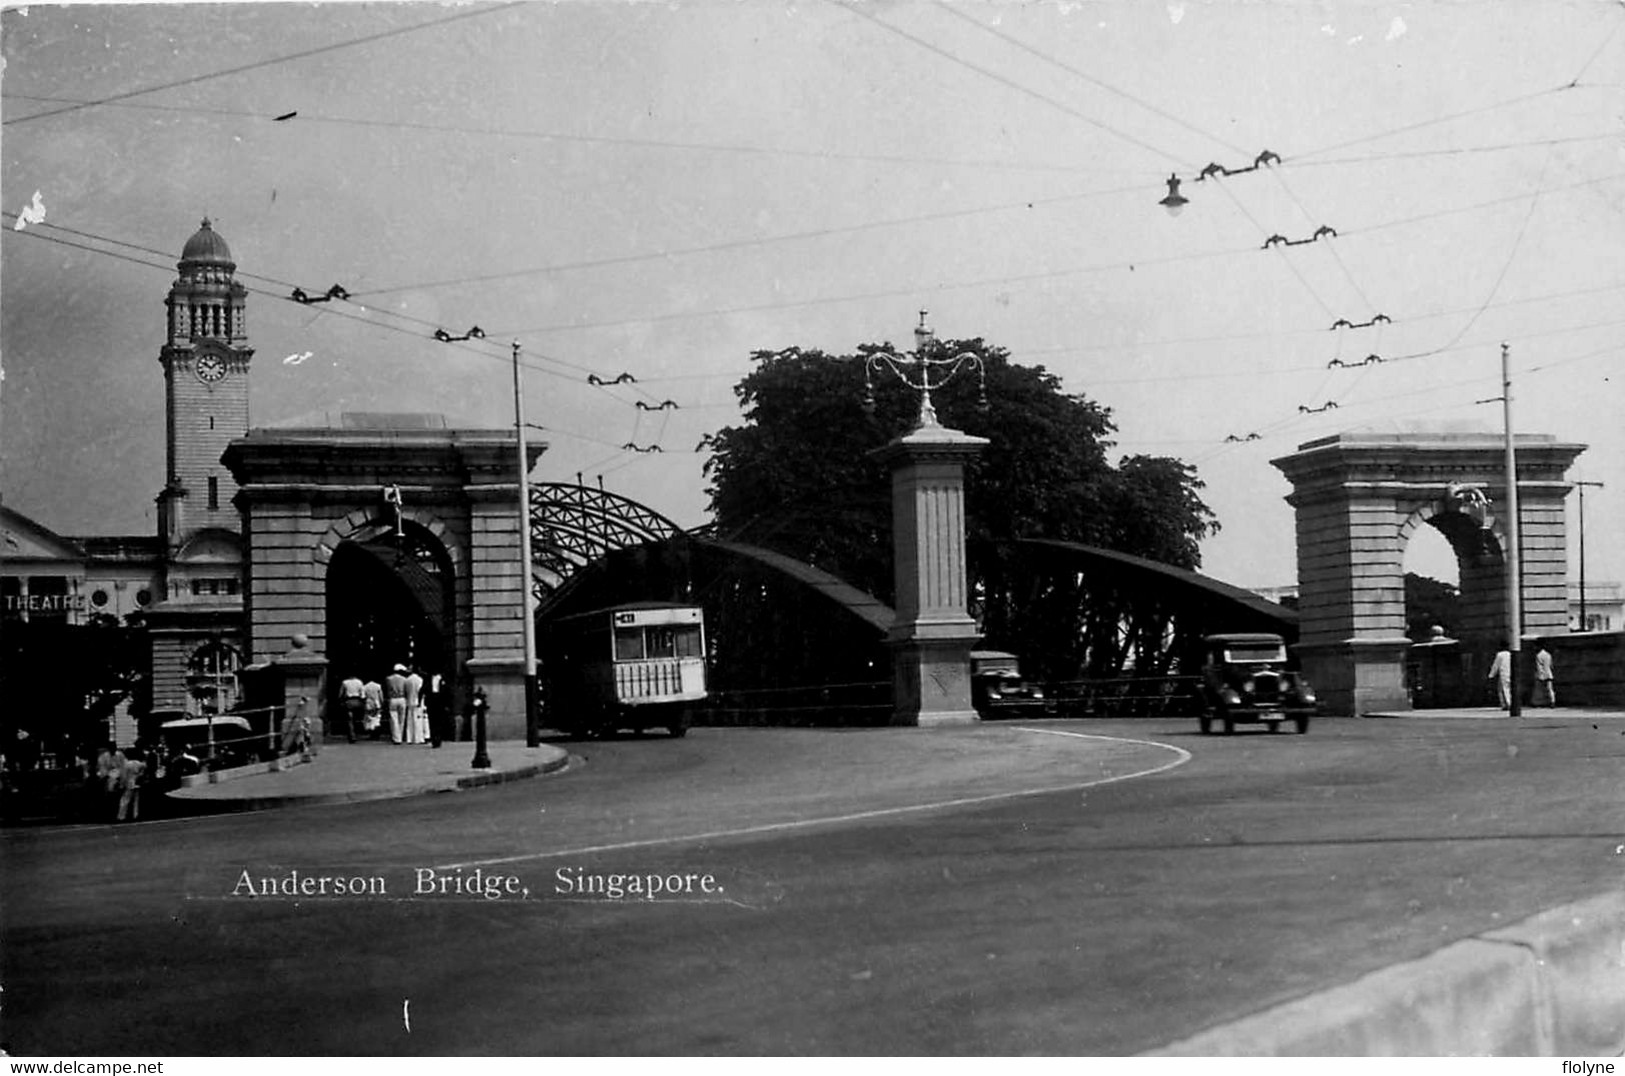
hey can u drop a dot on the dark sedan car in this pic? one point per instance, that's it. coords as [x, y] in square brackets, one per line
[998, 690]
[1245, 679]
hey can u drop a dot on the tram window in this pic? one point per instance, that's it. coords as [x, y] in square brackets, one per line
[688, 643]
[628, 644]
[661, 643]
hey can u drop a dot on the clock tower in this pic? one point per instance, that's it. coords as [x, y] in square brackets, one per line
[205, 361]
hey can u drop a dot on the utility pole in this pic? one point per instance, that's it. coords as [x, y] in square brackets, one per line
[533, 732]
[1514, 573]
[1585, 625]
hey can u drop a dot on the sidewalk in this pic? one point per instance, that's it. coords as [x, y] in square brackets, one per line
[347, 773]
[1530, 713]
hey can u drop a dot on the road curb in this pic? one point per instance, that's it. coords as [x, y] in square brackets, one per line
[315, 799]
[1551, 984]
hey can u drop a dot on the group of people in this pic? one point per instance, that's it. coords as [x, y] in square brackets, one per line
[417, 707]
[121, 773]
[1500, 678]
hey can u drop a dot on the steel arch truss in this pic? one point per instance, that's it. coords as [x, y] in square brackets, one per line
[1087, 613]
[572, 526]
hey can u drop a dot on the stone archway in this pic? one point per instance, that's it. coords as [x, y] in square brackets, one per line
[309, 492]
[1359, 497]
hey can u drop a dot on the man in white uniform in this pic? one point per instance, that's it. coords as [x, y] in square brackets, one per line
[416, 722]
[395, 683]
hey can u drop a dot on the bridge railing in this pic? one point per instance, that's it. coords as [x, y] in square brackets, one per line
[1127, 696]
[833, 704]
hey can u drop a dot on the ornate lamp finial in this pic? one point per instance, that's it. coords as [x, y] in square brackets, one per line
[925, 343]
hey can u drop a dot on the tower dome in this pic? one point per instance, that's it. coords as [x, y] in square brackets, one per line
[207, 248]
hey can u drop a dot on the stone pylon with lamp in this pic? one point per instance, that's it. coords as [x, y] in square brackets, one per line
[934, 632]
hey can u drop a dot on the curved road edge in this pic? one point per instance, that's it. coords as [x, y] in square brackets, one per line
[1552, 984]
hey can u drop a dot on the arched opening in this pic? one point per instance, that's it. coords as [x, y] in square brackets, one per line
[389, 602]
[1432, 585]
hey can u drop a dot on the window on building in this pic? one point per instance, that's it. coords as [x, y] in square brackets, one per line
[214, 483]
[231, 585]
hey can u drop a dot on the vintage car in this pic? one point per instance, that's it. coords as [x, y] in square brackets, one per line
[1245, 679]
[998, 690]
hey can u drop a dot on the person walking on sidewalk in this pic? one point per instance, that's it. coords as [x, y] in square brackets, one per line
[438, 702]
[417, 727]
[1500, 675]
[296, 733]
[129, 783]
[395, 684]
[1545, 690]
[109, 771]
[372, 692]
[352, 697]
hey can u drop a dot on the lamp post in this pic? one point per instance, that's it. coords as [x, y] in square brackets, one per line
[923, 363]
[932, 635]
[1585, 625]
[527, 627]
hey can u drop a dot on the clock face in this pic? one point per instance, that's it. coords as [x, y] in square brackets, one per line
[210, 368]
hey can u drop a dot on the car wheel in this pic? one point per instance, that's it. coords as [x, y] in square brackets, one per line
[1229, 725]
[1303, 725]
[678, 730]
[1206, 723]
[1275, 726]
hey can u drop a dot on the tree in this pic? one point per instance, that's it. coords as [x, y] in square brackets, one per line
[799, 476]
[1429, 602]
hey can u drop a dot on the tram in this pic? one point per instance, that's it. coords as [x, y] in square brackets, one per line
[635, 666]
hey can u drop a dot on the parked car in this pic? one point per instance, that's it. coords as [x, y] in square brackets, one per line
[234, 743]
[998, 689]
[1245, 679]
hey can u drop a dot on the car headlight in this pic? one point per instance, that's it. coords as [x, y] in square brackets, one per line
[1248, 685]
[1231, 697]
[1307, 694]
[1038, 693]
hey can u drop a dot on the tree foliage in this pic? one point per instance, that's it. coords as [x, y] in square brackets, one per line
[799, 475]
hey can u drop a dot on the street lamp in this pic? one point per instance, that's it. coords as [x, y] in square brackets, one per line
[1585, 625]
[1173, 202]
[923, 363]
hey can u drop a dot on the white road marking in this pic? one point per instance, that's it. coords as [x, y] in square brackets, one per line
[856, 816]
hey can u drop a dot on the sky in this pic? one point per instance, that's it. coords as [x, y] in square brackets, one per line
[662, 189]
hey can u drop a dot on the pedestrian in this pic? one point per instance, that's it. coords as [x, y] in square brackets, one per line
[108, 764]
[417, 723]
[395, 684]
[296, 733]
[130, 775]
[352, 697]
[437, 698]
[1500, 676]
[1545, 690]
[372, 693]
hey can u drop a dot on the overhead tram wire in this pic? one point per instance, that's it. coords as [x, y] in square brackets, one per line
[1170, 117]
[268, 62]
[1015, 42]
[466, 346]
[855, 9]
[307, 117]
[282, 294]
[1149, 173]
[1091, 79]
[1209, 255]
[739, 244]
